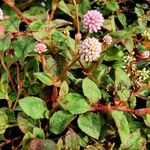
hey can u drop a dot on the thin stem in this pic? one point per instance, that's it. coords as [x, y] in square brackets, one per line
[77, 14]
[19, 86]
[43, 62]
[87, 71]
[140, 91]
[7, 71]
[14, 35]
[67, 69]
[8, 141]
[11, 4]
[54, 7]
[138, 112]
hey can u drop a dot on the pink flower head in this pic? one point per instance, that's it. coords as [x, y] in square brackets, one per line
[93, 20]
[107, 39]
[1, 14]
[90, 49]
[148, 1]
[40, 48]
[78, 36]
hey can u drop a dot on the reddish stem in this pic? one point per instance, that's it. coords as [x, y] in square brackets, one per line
[54, 7]
[140, 91]
[11, 4]
[14, 35]
[138, 112]
[19, 86]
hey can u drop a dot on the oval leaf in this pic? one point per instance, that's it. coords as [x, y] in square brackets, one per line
[74, 103]
[43, 78]
[25, 123]
[5, 41]
[3, 122]
[59, 121]
[90, 123]
[91, 90]
[33, 107]
[122, 125]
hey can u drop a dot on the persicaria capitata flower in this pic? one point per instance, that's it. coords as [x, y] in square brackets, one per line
[107, 39]
[1, 14]
[90, 49]
[78, 36]
[40, 48]
[93, 20]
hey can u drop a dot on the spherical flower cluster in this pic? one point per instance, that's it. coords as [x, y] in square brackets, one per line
[107, 39]
[1, 14]
[90, 49]
[93, 21]
[78, 37]
[148, 1]
[40, 48]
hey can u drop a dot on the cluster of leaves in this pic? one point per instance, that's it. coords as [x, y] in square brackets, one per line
[56, 101]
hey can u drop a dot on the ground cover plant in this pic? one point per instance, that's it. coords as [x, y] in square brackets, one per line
[74, 74]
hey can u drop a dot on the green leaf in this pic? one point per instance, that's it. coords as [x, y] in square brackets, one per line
[25, 142]
[132, 102]
[122, 84]
[74, 103]
[124, 94]
[35, 25]
[128, 43]
[147, 116]
[91, 90]
[60, 144]
[25, 123]
[107, 25]
[5, 41]
[51, 66]
[90, 123]
[59, 23]
[2, 95]
[135, 142]
[4, 85]
[12, 24]
[23, 47]
[59, 121]
[33, 107]
[113, 53]
[3, 122]
[112, 5]
[122, 77]
[38, 132]
[122, 19]
[84, 140]
[63, 6]
[122, 125]
[63, 89]
[38, 13]
[58, 36]
[72, 140]
[139, 11]
[43, 78]
[84, 7]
